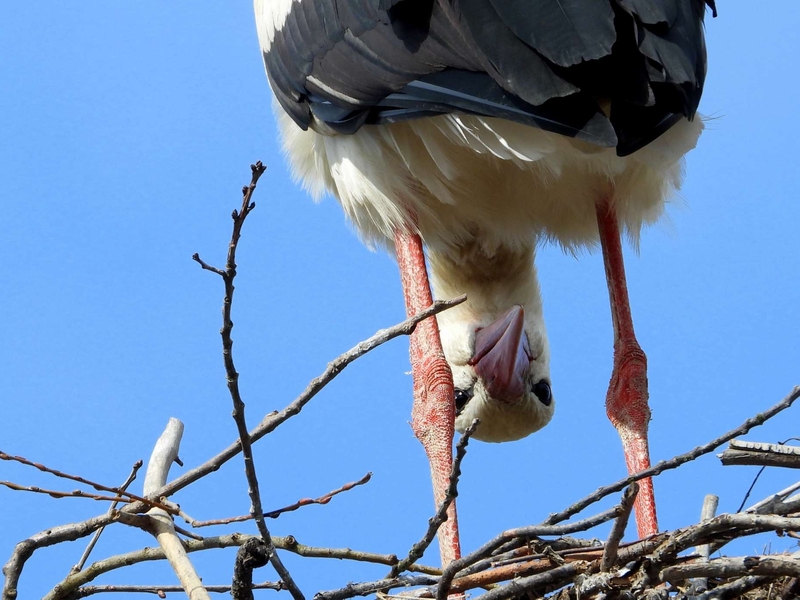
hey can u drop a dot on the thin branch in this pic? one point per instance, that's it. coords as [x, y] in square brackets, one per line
[486, 550]
[418, 549]
[274, 419]
[161, 590]
[85, 556]
[618, 529]
[288, 543]
[60, 495]
[122, 495]
[676, 461]
[229, 276]
[365, 589]
[273, 514]
[523, 585]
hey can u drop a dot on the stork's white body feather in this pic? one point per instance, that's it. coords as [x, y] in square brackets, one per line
[463, 178]
[482, 193]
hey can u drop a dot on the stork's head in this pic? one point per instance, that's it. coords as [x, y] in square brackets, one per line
[501, 373]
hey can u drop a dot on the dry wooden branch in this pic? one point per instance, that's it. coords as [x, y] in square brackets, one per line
[774, 566]
[164, 454]
[618, 530]
[761, 454]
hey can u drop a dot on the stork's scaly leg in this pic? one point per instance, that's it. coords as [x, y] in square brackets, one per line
[626, 401]
[433, 414]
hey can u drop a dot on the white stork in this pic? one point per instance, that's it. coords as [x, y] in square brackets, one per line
[478, 129]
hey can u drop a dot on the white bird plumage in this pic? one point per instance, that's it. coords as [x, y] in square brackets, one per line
[485, 193]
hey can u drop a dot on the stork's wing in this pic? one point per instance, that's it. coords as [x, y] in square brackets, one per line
[614, 73]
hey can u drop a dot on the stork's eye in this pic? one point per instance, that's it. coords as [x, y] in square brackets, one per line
[462, 397]
[543, 392]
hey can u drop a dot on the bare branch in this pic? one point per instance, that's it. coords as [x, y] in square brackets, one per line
[618, 530]
[161, 590]
[774, 566]
[122, 495]
[675, 462]
[761, 454]
[228, 276]
[365, 589]
[522, 532]
[273, 514]
[273, 420]
[85, 556]
[734, 589]
[164, 454]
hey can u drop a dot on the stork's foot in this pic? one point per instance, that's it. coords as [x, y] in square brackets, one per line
[628, 410]
[433, 421]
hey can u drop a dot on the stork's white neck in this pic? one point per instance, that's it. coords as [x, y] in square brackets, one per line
[494, 281]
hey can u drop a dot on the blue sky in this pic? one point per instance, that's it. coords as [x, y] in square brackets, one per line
[127, 130]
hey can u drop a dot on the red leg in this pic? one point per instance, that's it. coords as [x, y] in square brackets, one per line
[433, 414]
[626, 401]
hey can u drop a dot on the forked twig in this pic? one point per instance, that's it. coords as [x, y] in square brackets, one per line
[228, 276]
[85, 556]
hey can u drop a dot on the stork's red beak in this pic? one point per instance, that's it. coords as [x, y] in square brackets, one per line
[502, 356]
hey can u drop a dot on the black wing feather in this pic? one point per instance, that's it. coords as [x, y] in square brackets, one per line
[550, 64]
[565, 32]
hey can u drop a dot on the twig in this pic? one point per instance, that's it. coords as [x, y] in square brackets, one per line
[122, 495]
[228, 276]
[522, 532]
[761, 454]
[685, 538]
[273, 514]
[59, 494]
[365, 589]
[775, 566]
[273, 420]
[618, 529]
[767, 503]
[523, 585]
[164, 453]
[162, 590]
[435, 522]
[709, 511]
[676, 461]
[85, 556]
[289, 543]
[734, 589]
